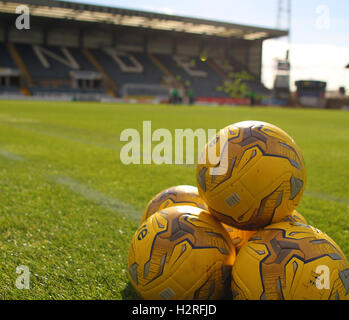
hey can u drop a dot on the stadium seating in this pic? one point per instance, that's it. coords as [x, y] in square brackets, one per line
[56, 70]
[148, 75]
[9, 90]
[5, 58]
[134, 74]
[203, 85]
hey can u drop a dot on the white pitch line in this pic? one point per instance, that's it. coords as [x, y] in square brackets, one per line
[61, 136]
[113, 204]
[326, 197]
[10, 156]
[89, 143]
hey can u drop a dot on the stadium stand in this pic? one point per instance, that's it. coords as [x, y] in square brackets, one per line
[5, 58]
[61, 56]
[130, 68]
[9, 74]
[197, 74]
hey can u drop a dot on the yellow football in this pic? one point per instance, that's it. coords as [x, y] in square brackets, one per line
[182, 253]
[291, 261]
[251, 174]
[238, 237]
[174, 196]
[295, 216]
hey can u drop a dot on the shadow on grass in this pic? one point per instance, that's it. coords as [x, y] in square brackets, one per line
[129, 293]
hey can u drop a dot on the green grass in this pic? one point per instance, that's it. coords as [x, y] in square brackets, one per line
[74, 235]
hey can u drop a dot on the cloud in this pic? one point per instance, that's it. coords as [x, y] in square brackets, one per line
[164, 10]
[308, 62]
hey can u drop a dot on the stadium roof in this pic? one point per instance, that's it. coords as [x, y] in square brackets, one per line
[141, 19]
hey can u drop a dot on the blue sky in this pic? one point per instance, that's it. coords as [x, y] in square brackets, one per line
[320, 28]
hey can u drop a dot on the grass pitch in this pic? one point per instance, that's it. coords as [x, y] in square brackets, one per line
[69, 207]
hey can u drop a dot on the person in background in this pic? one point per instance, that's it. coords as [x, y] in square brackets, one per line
[191, 96]
[252, 97]
[180, 97]
[174, 96]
